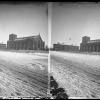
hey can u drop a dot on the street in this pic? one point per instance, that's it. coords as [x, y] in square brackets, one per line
[23, 74]
[78, 74]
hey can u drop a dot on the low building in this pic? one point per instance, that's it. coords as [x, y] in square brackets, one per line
[63, 47]
[88, 45]
[58, 47]
[26, 43]
[2, 46]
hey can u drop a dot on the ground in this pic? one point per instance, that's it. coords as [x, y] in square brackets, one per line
[23, 74]
[78, 74]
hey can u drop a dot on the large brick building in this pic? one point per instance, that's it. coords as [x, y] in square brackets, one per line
[63, 47]
[26, 43]
[88, 45]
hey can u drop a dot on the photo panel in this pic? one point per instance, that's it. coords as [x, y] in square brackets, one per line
[74, 53]
[23, 49]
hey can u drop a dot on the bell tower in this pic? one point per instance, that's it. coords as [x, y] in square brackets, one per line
[12, 37]
[85, 39]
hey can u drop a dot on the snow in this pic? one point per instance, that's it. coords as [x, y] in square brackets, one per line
[77, 73]
[23, 74]
[22, 58]
[92, 60]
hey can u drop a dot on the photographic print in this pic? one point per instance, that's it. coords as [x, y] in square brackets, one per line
[50, 50]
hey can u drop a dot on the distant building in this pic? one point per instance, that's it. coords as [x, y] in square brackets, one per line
[88, 45]
[63, 47]
[2, 46]
[26, 43]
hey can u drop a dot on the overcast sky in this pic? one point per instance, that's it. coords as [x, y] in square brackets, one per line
[71, 21]
[23, 20]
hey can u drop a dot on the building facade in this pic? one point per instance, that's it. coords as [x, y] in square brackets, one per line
[88, 45]
[2, 46]
[26, 43]
[63, 47]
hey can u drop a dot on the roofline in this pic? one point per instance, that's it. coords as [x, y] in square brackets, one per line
[66, 45]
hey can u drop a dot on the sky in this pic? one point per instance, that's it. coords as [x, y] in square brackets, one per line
[24, 20]
[72, 21]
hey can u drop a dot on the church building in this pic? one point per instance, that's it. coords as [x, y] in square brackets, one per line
[88, 45]
[25, 43]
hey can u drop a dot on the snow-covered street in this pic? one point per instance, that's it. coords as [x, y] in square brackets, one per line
[23, 74]
[78, 74]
